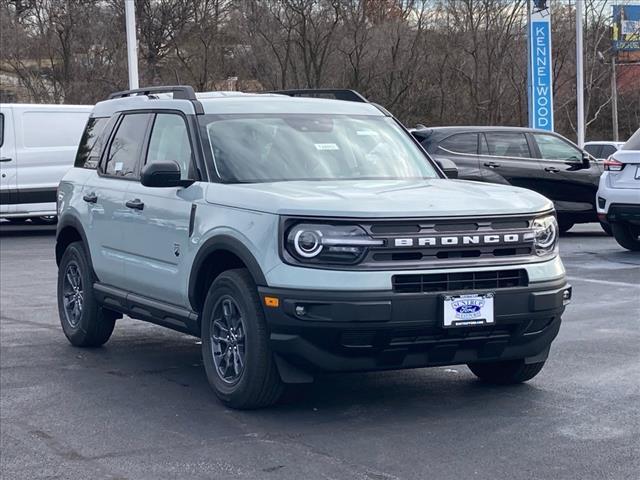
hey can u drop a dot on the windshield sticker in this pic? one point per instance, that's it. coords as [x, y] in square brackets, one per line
[367, 133]
[119, 166]
[326, 146]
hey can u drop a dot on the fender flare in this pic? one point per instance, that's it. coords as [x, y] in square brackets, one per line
[68, 220]
[233, 245]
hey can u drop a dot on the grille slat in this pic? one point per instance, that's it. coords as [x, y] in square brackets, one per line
[460, 281]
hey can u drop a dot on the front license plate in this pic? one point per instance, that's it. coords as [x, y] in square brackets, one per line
[468, 310]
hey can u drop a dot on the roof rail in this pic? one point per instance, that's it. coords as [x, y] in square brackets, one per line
[180, 92]
[338, 93]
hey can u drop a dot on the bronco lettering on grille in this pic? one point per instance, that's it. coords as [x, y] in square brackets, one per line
[458, 240]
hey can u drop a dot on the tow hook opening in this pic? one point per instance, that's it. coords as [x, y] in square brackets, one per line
[566, 295]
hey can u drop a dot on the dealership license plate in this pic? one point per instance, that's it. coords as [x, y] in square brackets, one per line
[468, 310]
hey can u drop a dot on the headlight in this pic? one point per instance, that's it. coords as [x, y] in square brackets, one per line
[327, 244]
[545, 234]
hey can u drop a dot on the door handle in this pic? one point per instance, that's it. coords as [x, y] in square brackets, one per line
[551, 169]
[136, 204]
[5, 159]
[90, 198]
[492, 164]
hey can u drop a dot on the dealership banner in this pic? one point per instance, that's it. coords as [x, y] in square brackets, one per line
[540, 66]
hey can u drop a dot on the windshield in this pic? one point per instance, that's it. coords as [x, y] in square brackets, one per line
[280, 147]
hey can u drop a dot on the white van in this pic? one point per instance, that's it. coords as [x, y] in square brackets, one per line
[38, 144]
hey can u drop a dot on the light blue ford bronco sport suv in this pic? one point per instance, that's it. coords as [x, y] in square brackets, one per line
[295, 233]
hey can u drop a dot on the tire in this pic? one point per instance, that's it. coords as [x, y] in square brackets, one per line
[505, 373]
[245, 378]
[607, 228]
[83, 321]
[626, 235]
[565, 225]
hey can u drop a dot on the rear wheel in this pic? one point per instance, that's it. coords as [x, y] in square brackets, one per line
[607, 228]
[84, 322]
[506, 373]
[627, 235]
[235, 344]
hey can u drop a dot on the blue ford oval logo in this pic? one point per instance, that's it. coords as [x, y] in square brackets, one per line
[468, 309]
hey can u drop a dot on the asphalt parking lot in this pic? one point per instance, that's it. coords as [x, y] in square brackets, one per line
[141, 408]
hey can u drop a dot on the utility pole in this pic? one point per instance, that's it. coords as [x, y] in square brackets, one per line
[614, 98]
[579, 73]
[132, 43]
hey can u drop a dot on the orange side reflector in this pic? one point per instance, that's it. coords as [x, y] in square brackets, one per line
[273, 302]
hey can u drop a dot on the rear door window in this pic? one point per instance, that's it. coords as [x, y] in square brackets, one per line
[507, 144]
[462, 143]
[126, 145]
[594, 150]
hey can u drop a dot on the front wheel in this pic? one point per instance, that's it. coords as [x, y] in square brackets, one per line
[235, 344]
[506, 373]
[84, 322]
[565, 225]
[626, 235]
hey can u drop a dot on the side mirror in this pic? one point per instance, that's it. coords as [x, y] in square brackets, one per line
[586, 162]
[162, 174]
[448, 167]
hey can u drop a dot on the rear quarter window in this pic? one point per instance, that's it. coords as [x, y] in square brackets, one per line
[42, 129]
[92, 143]
[606, 151]
[463, 143]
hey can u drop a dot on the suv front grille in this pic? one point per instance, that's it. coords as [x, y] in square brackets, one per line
[437, 242]
[446, 282]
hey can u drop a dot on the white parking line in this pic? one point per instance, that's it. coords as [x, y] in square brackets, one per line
[604, 282]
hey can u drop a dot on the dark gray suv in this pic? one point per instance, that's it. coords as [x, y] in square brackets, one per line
[535, 159]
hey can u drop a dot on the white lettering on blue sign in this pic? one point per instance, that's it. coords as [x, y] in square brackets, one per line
[541, 101]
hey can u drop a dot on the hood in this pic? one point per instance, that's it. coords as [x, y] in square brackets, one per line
[379, 198]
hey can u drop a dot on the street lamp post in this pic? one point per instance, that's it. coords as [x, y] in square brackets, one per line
[132, 43]
[614, 98]
[579, 74]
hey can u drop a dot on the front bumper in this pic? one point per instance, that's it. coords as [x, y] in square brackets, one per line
[377, 330]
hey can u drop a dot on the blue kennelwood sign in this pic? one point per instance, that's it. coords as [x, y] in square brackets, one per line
[541, 75]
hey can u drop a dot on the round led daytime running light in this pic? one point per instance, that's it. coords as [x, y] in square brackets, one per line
[310, 245]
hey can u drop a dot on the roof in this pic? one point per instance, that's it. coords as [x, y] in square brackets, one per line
[604, 142]
[462, 129]
[46, 106]
[238, 103]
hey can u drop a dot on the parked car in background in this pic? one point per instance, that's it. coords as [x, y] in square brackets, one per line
[602, 150]
[38, 144]
[619, 194]
[535, 159]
